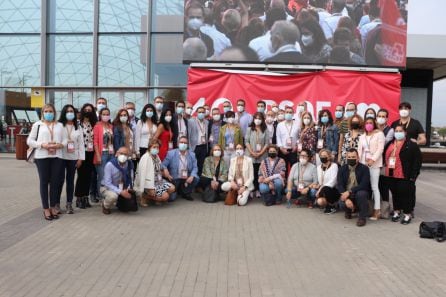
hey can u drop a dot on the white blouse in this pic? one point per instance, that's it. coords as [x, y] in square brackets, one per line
[46, 136]
[143, 134]
[77, 137]
[329, 176]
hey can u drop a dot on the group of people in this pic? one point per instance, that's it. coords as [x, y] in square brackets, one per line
[339, 162]
[346, 32]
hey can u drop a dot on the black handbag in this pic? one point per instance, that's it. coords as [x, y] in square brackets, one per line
[209, 195]
[126, 205]
[436, 230]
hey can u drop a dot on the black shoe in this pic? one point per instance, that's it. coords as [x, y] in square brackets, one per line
[361, 222]
[69, 208]
[78, 202]
[82, 203]
[94, 199]
[348, 213]
[329, 210]
[406, 220]
[188, 197]
[48, 218]
[396, 217]
[87, 202]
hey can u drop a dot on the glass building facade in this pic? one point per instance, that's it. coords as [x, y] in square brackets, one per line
[79, 50]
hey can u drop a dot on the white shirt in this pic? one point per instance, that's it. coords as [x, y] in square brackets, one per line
[262, 45]
[78, 140]
[286, 132]
[364, 30]
[143, 134]
[330, 24]
[45, 136]
[220, 40]
[271, 132]
[328, 177]
[288, 17]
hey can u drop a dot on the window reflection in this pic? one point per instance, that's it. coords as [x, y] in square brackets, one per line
[139, 98]
[59, 99]
[167, 16]
[114, 101]
[70, 16]
[170, 96]
[121, 61]
[80, 98]
[70, 60]
[122, 16]
[20, 16]
[19, 60]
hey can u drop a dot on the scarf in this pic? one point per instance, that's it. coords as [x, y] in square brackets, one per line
[125, 171]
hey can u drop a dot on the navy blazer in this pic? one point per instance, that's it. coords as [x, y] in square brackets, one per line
[175, 132]
[172, 163]
[362, 177]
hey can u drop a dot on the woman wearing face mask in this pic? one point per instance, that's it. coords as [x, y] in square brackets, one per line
[230, 136]
[370, 113]
[313, 41]
[164, 133]
[271, 125]
[271, 177]
[85, 172]
[307, 134]
[149, 180]
[256, 140]
[302, 180]
[327, 133]
[327, 195]
[47, 138]
[74, 153]
[122, 133]
[370, 150]
[215, 173]
[240, 176]
[145, 129]
[402, 167]
[103, 144]
[351, 138]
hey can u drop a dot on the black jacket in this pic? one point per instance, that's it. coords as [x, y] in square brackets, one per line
[411, 159]
[175, 132]
[362, 177]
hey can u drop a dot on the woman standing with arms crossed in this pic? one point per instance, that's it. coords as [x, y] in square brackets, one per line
[74, 153]
[48, 140]
[103, 144]
[84, 173]
[145, 129]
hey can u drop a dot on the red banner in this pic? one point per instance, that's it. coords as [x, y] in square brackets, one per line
[324, 89]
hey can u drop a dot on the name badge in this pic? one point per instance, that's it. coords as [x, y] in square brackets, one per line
[258, 147]
[170, 145]
[299, 146]
[211, 138]
[184, 173]
[70, 147]
[203, 139]
[320, 143]
[300, 186]
[110, 149]
[240, 182]
[392, 162]
[289, 142]
[89, 146]
[231, 146]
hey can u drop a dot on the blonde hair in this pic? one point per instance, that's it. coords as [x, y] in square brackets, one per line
[48, 105]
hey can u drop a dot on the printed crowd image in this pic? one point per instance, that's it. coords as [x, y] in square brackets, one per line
[326, 32]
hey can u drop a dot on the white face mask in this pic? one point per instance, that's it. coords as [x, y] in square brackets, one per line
[217, 153]
[122, 159]
[159, 106]
[168, 118]
[206, 112]
[301, 108]
[188, 111]
[240, 108]
[307, 40]
[381, 121]
[306, 122]
[404, 113]
[131, 112]
[216, 117]
[194, 24]
[123, 119]
[275, 109]
[269, 120]
[257, 122]
[239, 152]
[230, 120]
[281, 117]
[303, 161]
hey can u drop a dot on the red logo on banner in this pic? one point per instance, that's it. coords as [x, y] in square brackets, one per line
[321, 90]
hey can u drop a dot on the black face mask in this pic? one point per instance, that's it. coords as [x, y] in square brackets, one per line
[88, 115]
[324, 160]
[272, 155]
[355, 125]
[351, 162]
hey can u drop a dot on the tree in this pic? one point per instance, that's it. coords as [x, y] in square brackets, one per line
[442, 132]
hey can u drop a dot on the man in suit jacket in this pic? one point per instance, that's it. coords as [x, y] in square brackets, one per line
[197, 130]
[284, 36]
[181, 169]
[354, 187]
[179, 123]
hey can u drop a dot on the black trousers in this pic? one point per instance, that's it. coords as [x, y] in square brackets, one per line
[50, 175]
[69, 168]
[383, 186]
[403, 194]
[84, 176]
[256, 175]
[201, 152]
[290, 160]
[360, 200]
[206, 182]
[330, 194]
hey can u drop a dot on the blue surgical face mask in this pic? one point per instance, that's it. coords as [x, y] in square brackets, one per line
[69, 116]
[159, 106]
[180, 110]
[324, 119]
[48, 116]
[288, 116]
[182, 146]
[226, 109]
[370, 116]
[200, 115]
[339, 114]
[101, 106]
[399, 135]
[154, 151]
[261, 109]
[349, 114]
[149, 114]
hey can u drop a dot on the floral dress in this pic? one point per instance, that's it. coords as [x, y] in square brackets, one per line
[349, 142]
[161, 185]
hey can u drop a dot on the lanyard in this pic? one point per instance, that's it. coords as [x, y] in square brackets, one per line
[201, 127]
[183, 161]
[290, 129]
[51, 129]
[301, 173]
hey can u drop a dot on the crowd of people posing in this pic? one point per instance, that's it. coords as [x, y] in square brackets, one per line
[339, 162]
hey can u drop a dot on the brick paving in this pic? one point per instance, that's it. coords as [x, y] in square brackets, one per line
[197, 249]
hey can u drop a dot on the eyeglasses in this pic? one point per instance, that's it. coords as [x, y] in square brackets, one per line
[303, 156]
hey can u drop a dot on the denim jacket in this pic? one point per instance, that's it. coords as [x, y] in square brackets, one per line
[331, 140]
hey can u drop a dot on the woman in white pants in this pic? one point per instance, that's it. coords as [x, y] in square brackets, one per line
[240, 176]
[370, 150]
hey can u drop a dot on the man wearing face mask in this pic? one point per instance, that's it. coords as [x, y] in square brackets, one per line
[414, 130]
[179, 123]
[159, 105]
[193, 18]
[101, 103]
[189, 111]
[243, 118]
[354, 186]
[226, 107]
[214, 127]
[181, 170]
[199, 137]
[117, 181]
[287, 135]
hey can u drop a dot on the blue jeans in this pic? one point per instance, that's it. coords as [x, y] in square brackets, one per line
[278, 188]
[311, 195]
[105, 157]
[181, 189]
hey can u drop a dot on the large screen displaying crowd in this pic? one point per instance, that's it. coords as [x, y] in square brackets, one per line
[336, 32]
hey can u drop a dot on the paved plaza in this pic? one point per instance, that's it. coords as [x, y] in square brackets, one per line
[197, 249]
